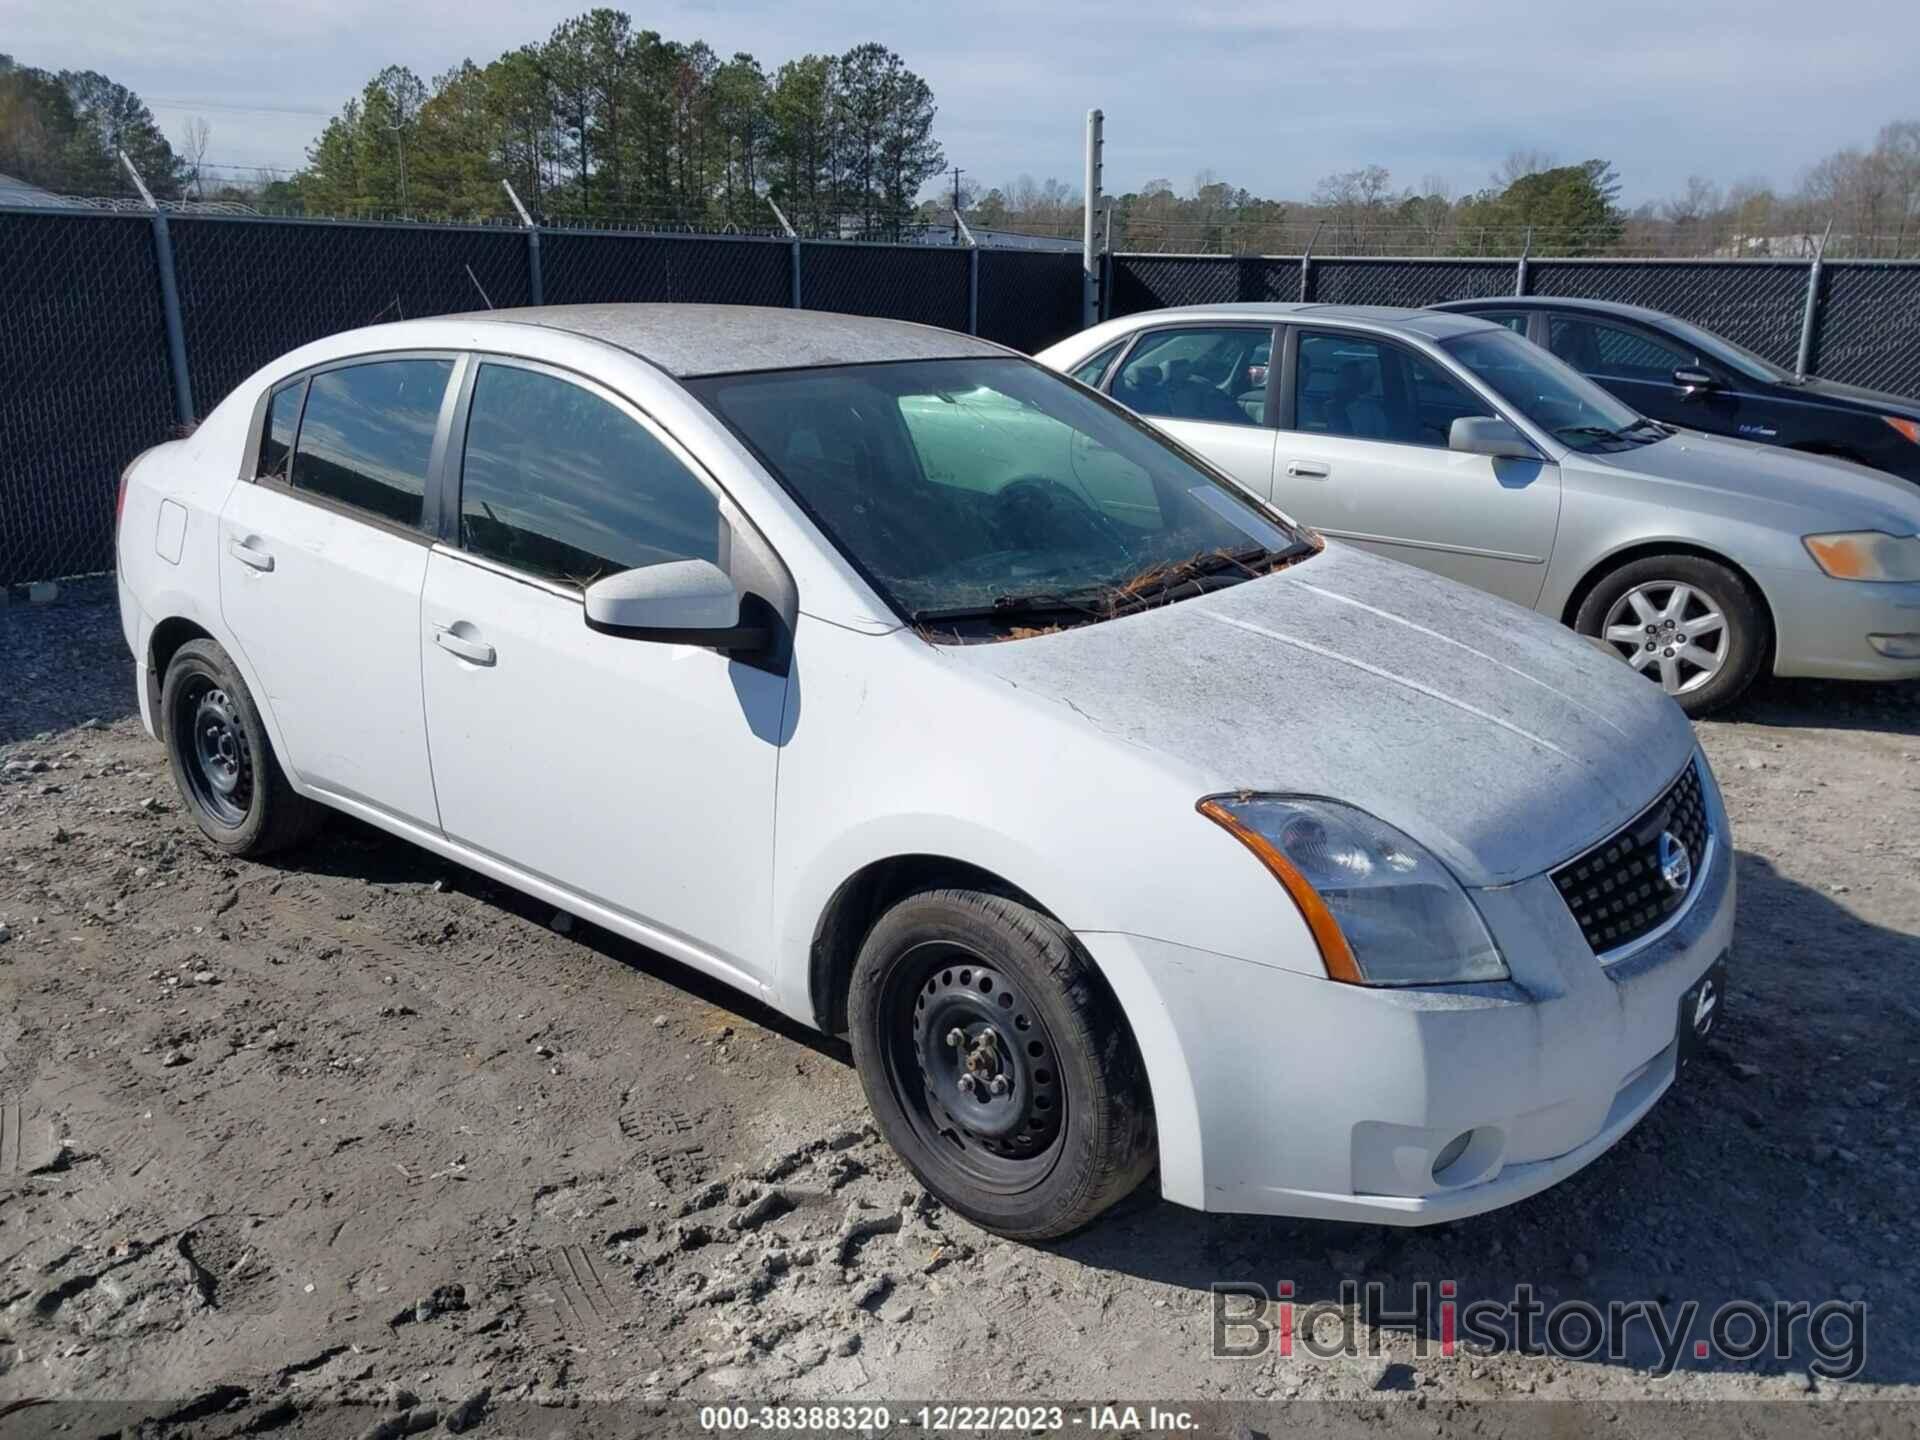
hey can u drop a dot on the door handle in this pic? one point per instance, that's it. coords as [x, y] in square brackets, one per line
[247, 555]
[1312, 469]
[478, 651]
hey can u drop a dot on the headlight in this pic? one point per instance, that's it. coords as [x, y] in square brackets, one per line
[1383, 910]
[1866, 555]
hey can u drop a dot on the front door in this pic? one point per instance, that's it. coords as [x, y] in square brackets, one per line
[638, 776]
[1367, 461]
[322, 559]
[1638, 366]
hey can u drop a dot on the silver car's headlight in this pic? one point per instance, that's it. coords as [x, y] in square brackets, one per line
[1382, 909]
[1866, 555]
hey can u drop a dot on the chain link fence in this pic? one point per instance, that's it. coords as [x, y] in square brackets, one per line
[1866, 313]
[87, 374]
[84, 385]
[582, 267]
[92, 371]
[1029, 298]
[1867, 330]
[251, 290]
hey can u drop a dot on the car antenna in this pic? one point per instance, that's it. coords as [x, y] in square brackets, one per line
[477, 285]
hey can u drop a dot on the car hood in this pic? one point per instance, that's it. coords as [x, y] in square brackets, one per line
[1500, 741]
[1839, 494]
[1878, 400]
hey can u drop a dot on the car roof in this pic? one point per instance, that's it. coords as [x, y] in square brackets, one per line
[688, 340]
[1425, 323]
[1555, 302]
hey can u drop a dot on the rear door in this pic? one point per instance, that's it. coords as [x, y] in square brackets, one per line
[1209, 387]
[322, 560]
[1363, 455]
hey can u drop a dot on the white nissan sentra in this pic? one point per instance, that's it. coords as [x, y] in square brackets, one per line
[936, 701]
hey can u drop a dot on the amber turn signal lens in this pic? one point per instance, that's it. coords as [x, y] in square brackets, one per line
[1335, 953]
[1908, 428]
[1841, 556]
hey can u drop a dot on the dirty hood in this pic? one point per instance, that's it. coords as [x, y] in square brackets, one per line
[1499, 740]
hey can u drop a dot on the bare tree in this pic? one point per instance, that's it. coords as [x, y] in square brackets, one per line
[194, 135]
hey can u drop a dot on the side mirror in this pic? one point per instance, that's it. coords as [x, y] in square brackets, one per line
[1484, 435]
[1692, 381]
[678, 602]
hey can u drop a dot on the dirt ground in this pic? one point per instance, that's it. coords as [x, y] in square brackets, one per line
[363, 1134]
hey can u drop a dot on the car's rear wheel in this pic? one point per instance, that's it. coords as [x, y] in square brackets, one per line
[998, 1065]
[1686, 623]
[223, 764]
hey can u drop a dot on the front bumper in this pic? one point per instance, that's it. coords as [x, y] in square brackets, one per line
[1286, 1094]
[1821, 625]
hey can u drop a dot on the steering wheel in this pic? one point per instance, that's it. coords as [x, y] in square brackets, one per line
[1032, 511]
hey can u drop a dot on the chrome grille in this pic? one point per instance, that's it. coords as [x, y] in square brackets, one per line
[1616, 890]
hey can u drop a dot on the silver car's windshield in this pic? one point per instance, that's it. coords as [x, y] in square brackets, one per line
[1551, 393]
[997, 491]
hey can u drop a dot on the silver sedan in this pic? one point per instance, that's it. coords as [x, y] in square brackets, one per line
[1451, 443]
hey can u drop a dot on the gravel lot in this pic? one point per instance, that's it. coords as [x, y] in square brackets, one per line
[278, 1137]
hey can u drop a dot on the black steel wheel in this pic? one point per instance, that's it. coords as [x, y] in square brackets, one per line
[220, 771]
[998, 1064]
[972, 1061]
[223, 763]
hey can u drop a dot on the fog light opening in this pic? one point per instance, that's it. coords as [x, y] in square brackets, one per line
[1450, 1155]
[1896, 647]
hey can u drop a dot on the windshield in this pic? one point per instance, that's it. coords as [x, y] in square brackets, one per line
[1718, 347]
[1551, 393]
[996, 486]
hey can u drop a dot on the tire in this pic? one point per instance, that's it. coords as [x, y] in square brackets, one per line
[223, 764]
[1072, 1133]
[1638, 630]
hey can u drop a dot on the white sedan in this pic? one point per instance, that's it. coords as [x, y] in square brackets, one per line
[936, 701]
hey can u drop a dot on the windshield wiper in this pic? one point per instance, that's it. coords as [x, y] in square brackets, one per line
[1160, 581]
[1013, 608]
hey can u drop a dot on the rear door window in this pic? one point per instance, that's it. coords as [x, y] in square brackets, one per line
[366, 436]
[563, 484]
[1216, 373]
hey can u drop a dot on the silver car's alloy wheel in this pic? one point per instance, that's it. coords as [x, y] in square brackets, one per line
[1670, 632]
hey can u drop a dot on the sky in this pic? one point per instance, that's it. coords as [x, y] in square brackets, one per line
[1266, 94]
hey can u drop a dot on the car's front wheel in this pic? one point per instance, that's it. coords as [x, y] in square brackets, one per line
[222, 762]
[1688, 624]
[998, 1064]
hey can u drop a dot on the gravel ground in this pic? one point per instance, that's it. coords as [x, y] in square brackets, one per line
[361, 1131]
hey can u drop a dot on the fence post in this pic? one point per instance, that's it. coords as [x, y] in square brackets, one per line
[1805, 359]
[793, 241]
[973, 274]
[169, 300]
[1520, 270]
[536, 286]
[1306, 264]
[1089, 243]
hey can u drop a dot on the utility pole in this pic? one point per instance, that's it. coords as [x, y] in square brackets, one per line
[957, 173]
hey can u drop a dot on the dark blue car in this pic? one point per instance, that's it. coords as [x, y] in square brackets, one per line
[1674, 371]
